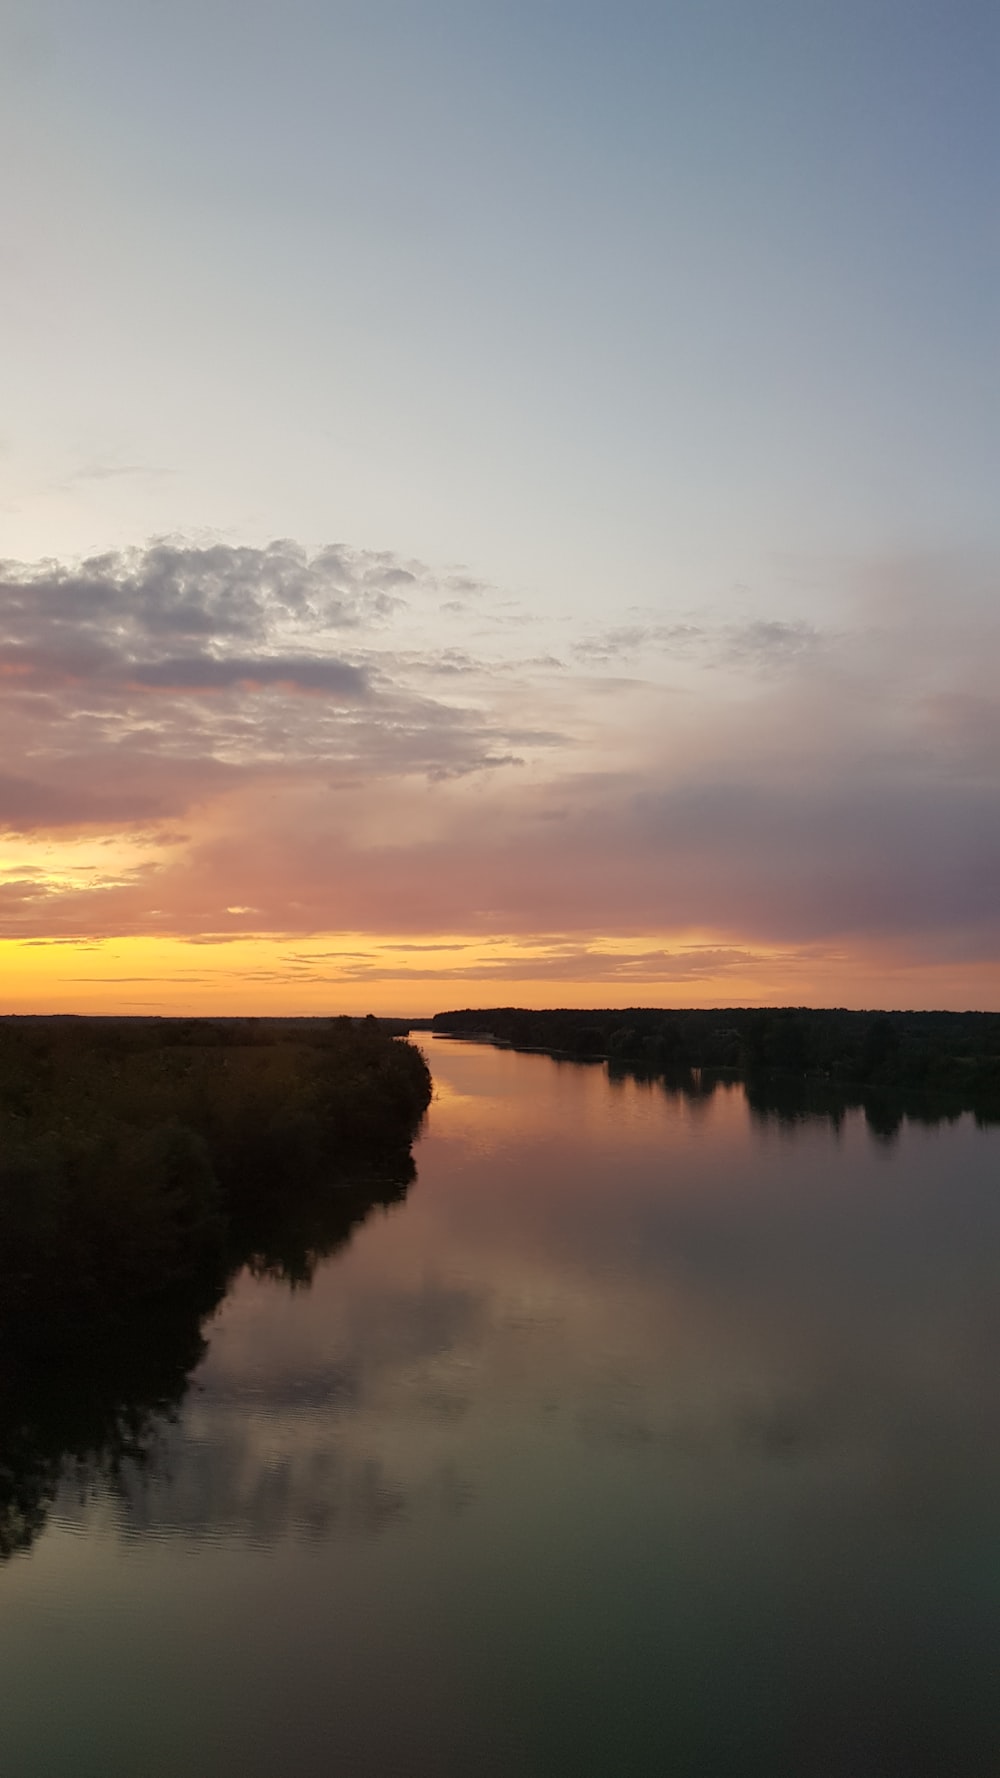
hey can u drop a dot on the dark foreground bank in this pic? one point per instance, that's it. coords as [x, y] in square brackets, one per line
[142, 1165]
[138, 1155]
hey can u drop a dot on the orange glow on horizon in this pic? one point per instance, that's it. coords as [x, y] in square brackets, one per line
[278, 975]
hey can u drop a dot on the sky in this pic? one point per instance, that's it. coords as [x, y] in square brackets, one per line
[497, 504]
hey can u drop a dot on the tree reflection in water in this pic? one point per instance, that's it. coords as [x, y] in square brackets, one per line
[85, 1408]
[789, 1100]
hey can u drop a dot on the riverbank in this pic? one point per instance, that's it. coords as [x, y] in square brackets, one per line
[949, 1059]
[139, 1155]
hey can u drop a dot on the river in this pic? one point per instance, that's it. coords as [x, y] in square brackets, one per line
[649, 1433]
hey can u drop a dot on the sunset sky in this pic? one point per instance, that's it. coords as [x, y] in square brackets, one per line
[498, 504]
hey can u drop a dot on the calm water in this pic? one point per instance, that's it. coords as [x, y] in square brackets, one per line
[645, 1436]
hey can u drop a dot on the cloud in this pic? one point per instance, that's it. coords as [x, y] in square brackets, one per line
[218, 590]
[135, 682]
[301, 673]
[549, 960]
[763, 643]
[317, 745]
[629, 641]
[28, 803]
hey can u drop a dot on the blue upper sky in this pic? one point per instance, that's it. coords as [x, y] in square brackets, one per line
[629, 304]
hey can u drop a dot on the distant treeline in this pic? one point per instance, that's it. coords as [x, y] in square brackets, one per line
[143, 1163]
[952, 1055]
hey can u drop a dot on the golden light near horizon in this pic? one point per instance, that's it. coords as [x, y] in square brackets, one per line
[349, 972]
[266, 974]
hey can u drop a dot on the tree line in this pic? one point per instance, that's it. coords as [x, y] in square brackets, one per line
[954, 1056]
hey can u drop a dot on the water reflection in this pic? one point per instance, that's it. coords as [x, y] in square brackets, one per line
[659, 1430]
[790, 1100]
[99, 1408]
[93, 1408]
